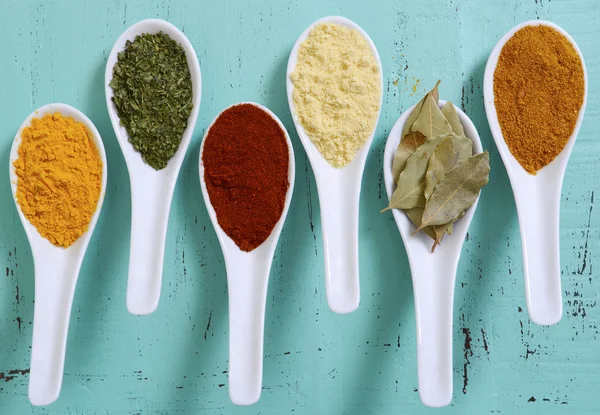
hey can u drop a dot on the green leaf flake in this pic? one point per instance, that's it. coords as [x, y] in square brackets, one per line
[152, 91]
[457, 191]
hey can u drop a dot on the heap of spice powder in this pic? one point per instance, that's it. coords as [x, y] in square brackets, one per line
[337, 91]
[246, 162]
[152, 91]
[538, 92]
[59, 177]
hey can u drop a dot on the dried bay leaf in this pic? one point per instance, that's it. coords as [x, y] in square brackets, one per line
[437, 176]
[415, 215]
[439, 231]
[434, 91]
[457, 191]
[431, 122]
[403, 200]
[464, 146]
[452, 116]
[449, 227]
[417, 110]
[410, 142]
[444, 157]
[411, 182]
[412, 117]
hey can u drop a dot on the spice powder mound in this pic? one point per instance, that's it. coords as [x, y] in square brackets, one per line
[246, 162]
[337, 91]
[59, 177]
[538, 92]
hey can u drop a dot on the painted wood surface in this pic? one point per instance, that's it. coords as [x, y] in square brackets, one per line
[175, 360]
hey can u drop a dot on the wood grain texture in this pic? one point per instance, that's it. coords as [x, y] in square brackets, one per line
[175, 360]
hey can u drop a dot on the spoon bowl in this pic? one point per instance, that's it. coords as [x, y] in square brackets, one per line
[537, 198]
[247, 281]
[56, 272]
[433, 276]
[151, 190]
[339, 193]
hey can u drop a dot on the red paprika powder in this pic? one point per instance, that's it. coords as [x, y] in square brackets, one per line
[246, 162]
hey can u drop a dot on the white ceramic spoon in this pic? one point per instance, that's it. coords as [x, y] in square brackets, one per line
[433, 276]
[537, 199]
[339, 195]
[151, 190]
[56, 271]
[247, 281]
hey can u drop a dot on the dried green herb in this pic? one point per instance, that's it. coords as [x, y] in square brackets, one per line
[410, 120]
[457, 191]
[437, 177]
[464, 147]
[444, 157]
[416, 215]
[449, 226]
[452, 116]
[431, 122]
[463, 144]
[410, 142]
[152, 91]
[410, 187]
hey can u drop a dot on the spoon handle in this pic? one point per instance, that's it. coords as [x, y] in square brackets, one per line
[339, 200]
[150, 204]
[247, 280]
[433, 283]
[54, 289]
[539, 216]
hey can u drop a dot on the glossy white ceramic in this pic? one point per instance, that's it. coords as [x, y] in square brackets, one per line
[56, 271]
[538, 201]
[433, 276]
[151, 190]
[247, 281]
[339, 195]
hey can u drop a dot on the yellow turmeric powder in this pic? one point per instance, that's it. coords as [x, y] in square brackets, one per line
[538, 92]
[59, 176]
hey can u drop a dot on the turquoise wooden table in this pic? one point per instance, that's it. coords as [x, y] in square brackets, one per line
[316, 362]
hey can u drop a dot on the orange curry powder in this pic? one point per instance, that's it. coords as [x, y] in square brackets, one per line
[538, 92]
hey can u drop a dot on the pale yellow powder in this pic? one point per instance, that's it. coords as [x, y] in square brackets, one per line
[337, 91]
